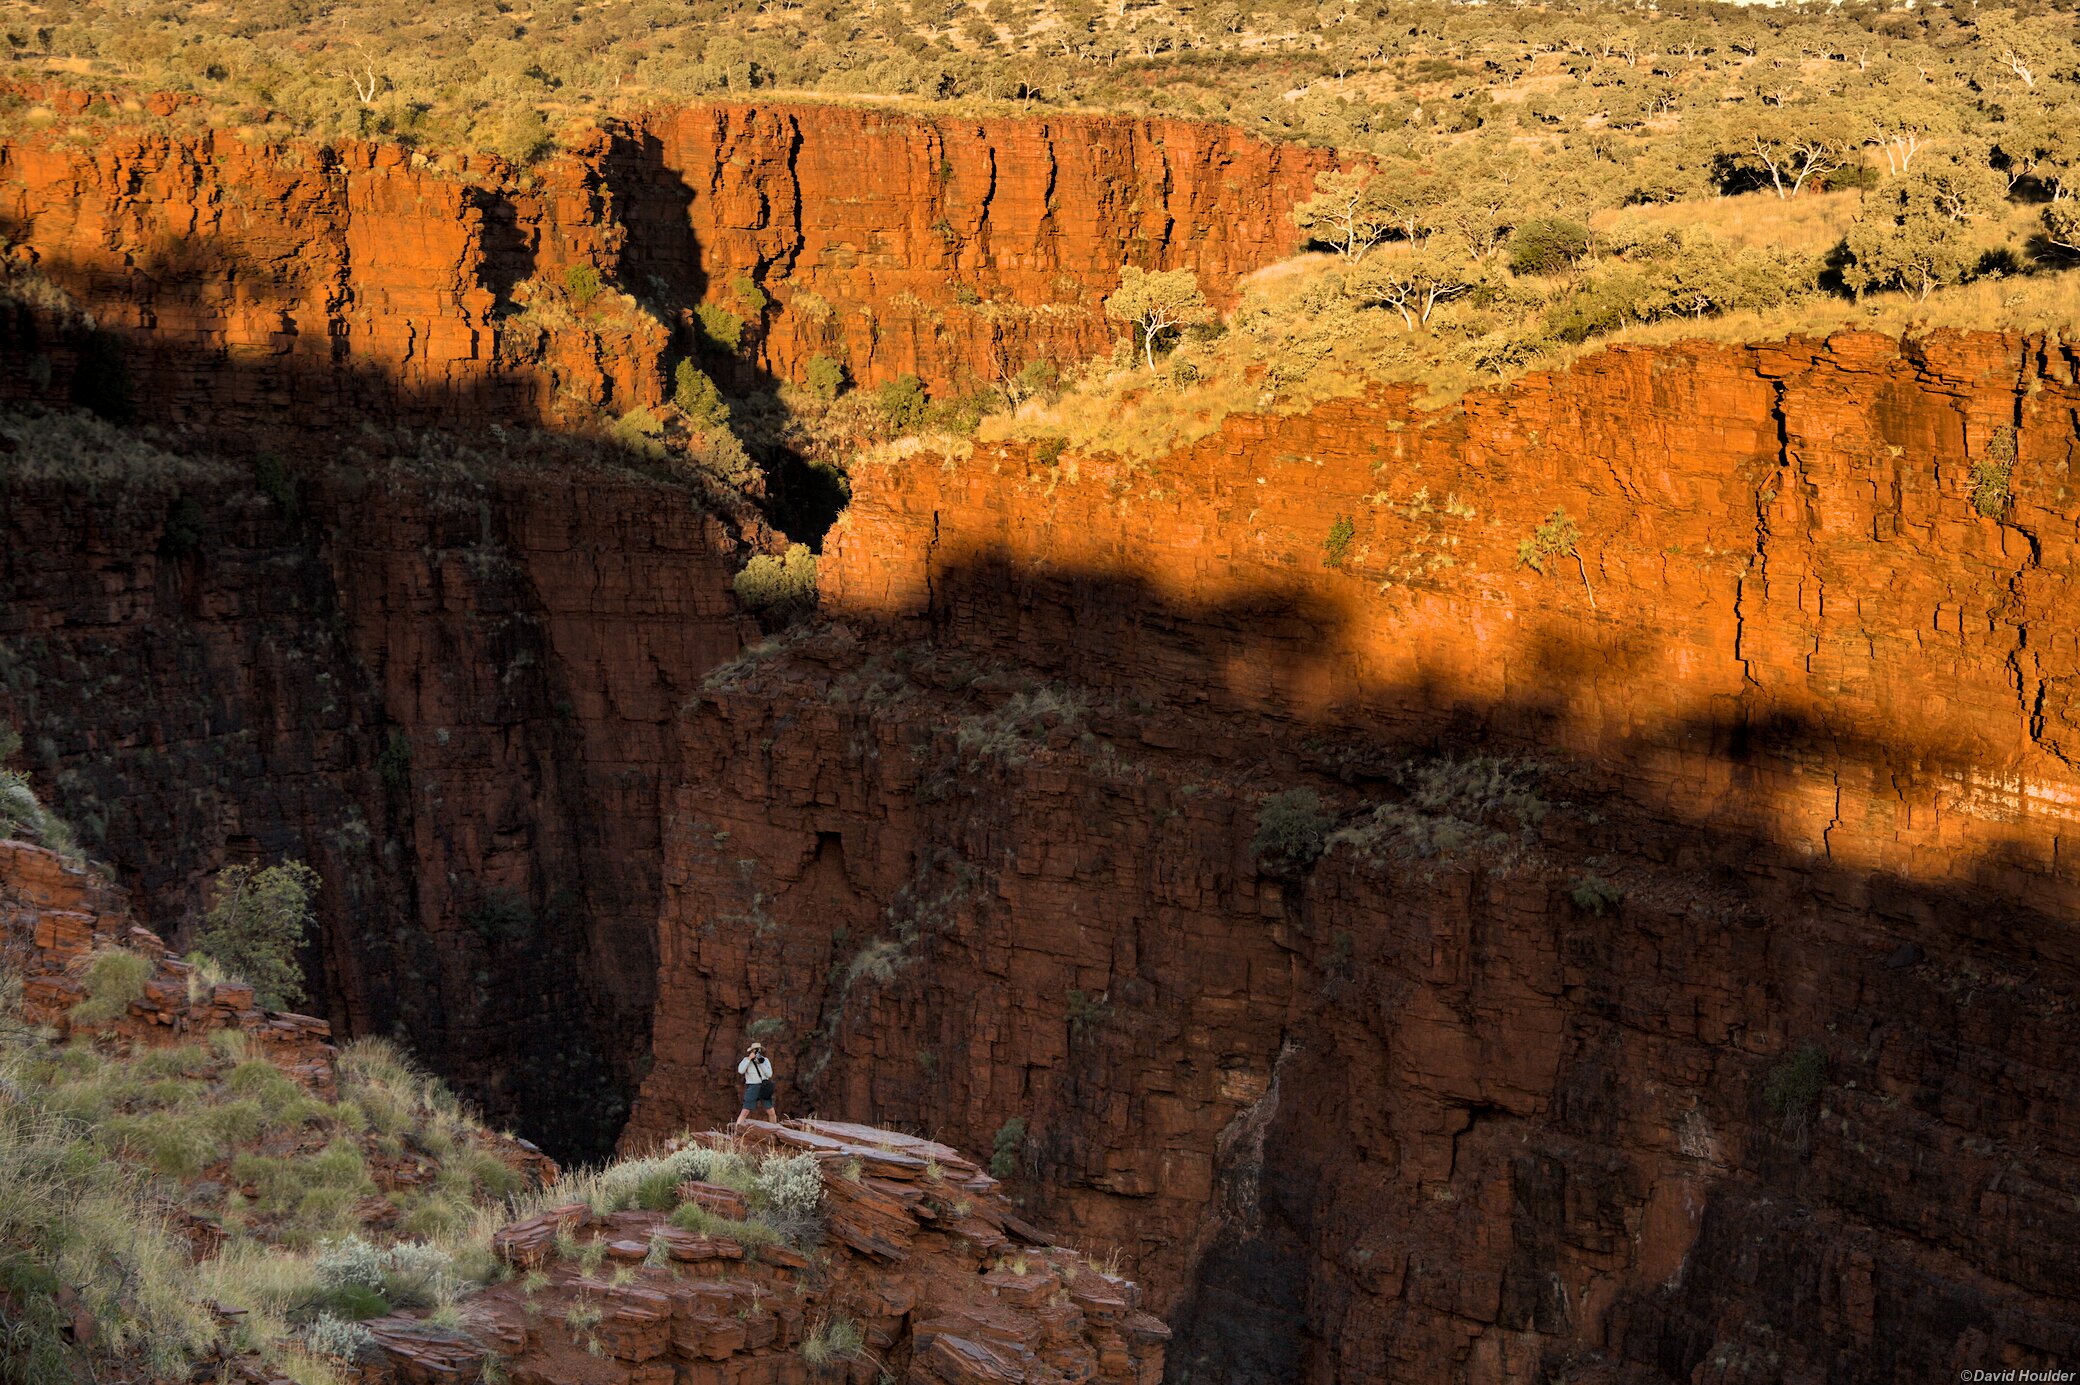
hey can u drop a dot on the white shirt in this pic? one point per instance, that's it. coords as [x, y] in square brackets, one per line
[755, 1069]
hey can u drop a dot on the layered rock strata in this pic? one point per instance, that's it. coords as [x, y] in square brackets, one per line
[243, 281]
[921, 1256]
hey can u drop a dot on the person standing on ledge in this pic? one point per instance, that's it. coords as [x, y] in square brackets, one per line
[757, 1071]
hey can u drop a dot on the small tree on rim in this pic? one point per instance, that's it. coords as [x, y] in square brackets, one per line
[1157, 304]
[257, 925]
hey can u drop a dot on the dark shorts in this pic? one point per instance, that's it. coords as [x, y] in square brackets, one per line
[758, 1095]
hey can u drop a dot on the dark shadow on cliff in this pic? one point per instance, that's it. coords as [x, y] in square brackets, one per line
[1229, 684]
[548, 1037]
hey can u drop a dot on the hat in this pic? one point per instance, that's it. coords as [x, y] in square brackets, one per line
[758, 1047]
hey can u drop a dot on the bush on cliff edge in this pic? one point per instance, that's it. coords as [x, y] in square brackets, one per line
[257, 926]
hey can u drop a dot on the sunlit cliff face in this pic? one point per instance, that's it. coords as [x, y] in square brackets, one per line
[1505, 1075]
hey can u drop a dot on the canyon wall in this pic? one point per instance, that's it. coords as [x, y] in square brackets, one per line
[960, 251]
[247, 281]
[445, 680]
[1670, 977]
[1685, 990]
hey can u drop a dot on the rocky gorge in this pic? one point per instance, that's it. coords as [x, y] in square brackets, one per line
[1565, 884]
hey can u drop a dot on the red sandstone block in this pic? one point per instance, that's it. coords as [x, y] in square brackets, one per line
[960, 1361]
[528, 1244]
[41, 878]
[723, 1202]
[1022, 1290]
[637, 1325]
[63, 933]
[687, 1248]
[232, 995]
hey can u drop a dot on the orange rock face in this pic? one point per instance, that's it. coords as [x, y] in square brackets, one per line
[958, 251]
[258, 282]
[1685, 989]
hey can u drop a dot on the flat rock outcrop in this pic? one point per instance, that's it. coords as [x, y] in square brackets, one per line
[922, 1265]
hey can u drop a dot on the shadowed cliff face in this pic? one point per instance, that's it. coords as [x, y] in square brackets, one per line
[446, 688]
[1493, 1092]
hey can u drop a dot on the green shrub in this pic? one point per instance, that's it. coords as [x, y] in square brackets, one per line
[1037, 378]
[20, 809]
[748, 294]
[1555, 538]
[1292, 831]
[1338, 545]
[1048, 451]
[1547, 245]
[834, 1339]
[184, 527]
[72, 1217]
[790, 1186]
[113, 980]
[177, 1146]
[271, 476]
[721, 326]
[1991, 473]
[639, 431]
[257, 925]
[765, 1028]
[342, 1337]
[1007, 1150]
[697, 397]
[1794, 1086]
[523, 137]
[1084, 1010]
[1594, 895]
[502, 916]
[779, 586]
[691, 1216]
[824, 378]
[583, 283]
[394, 761]
[903, 404]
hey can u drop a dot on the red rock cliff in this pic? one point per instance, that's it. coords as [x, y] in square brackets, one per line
[446, 675]
[327, 284]
[1737, 1049]
[958, 250]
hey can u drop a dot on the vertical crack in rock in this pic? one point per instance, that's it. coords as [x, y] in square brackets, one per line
[784, 263]
[1238, 1205]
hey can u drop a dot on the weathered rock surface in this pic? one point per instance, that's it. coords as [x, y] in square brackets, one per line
[324, 284]
[1483, 1092]
[447, 680]
[1506, 1083]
